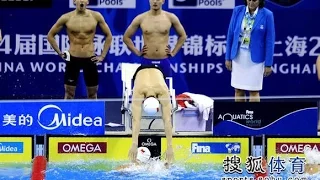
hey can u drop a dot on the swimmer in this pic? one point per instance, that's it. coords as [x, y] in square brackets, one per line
[149, 80]
[81, 28]
[0, 36]
[318, 67]
[155, 25]
[143, 158]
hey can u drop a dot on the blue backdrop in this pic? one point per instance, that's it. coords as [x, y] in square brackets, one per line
[30, 69]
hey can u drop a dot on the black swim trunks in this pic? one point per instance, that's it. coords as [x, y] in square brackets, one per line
[73, 67]
[146, 67]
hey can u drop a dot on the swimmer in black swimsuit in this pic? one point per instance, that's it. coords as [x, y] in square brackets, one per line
[81, 27]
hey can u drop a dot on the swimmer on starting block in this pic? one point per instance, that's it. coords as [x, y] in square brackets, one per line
[143, 158]
[81, 27]
[149, 78]
[149, 83]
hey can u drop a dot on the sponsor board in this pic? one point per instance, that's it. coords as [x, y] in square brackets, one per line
[291, 147]
[64, 149]
[53, 117]
[207, 150]
[153, 143]
[16, 149]
[116, 4]
[201, 4]
[244, 119]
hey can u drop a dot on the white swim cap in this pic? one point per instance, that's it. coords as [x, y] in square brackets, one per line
[143, 154]
[151, 105]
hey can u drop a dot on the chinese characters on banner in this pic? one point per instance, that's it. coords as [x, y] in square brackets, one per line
[275, 167]
[12, 120]
[195, 45]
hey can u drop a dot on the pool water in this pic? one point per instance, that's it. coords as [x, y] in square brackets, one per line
[153, 171]
[15, 171]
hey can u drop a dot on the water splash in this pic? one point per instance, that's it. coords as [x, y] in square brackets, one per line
[312, 156]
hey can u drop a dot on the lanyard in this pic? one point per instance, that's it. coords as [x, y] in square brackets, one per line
[248, 22]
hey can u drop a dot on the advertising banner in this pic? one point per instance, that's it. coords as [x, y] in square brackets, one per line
[207, 149]
[153, 143]
[31, 69]
[114, 4]
[16, 149]
[289, 118]
[291, 147]
[52, 117]
[292, 153]
[201, 4]
[79, 148]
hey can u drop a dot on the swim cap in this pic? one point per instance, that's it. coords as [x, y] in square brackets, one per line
[151, 105]
[143, 154]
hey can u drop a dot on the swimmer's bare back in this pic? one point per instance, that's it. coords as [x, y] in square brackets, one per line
[155, 30]
[150, 82]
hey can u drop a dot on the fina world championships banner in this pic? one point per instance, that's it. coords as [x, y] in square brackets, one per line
[269, 118]
[29, 68]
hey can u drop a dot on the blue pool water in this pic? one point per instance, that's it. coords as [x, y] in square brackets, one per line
[105, 171]
[15, 172]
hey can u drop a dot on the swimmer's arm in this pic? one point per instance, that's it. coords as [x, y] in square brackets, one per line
[318, 67]
[56, 28]
[125, 166]
[122, 167]
[107, 32]
[131, 30]
[180, 31]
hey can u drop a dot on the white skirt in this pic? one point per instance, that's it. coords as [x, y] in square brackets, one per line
[246, 74]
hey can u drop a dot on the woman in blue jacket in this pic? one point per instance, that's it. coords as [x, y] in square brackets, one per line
[250, 48]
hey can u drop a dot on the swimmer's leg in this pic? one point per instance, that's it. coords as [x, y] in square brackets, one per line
[91, 77]
[164, 98]
[69, 91]
[240, 95]
[92, 92]
[70, 79]
[137, 99]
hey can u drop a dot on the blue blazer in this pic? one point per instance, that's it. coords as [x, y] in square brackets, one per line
[262, 36]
